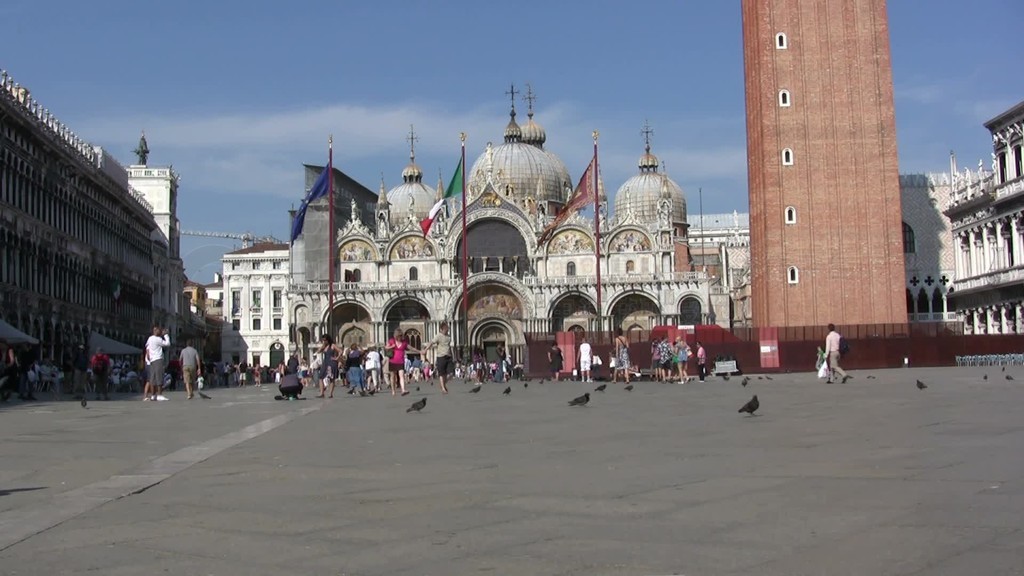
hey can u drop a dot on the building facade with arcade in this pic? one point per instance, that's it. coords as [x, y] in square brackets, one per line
[392, 276]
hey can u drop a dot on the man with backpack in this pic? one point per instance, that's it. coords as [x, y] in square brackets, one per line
[100, 364]
[835, 347]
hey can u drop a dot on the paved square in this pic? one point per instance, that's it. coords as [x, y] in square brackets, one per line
[873, 477]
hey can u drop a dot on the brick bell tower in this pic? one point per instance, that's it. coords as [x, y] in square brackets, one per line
[825, 219]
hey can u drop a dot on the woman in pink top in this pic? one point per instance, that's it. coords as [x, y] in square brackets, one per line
[702, 361]
[399, 347]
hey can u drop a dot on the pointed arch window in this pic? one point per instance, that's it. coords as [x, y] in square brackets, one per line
[787, 157]
[784, 98]
[909, 240]
[781, 41]
[790, 215]
[793, 275]
[570, 269]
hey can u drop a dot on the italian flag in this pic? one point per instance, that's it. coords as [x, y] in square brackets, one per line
[454, 190]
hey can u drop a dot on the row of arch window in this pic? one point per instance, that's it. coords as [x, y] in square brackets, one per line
[785, 101]
[570, 268]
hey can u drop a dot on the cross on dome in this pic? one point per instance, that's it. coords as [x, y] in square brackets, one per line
[412, 139]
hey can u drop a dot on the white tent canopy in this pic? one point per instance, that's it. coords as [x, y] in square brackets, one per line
[12, 335]
[110, 347]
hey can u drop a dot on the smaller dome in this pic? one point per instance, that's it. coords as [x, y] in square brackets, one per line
[648, 162]
[412, 173]
[513, 133]
[533, 133]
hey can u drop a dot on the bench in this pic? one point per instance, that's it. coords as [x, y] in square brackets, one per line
[725, 367]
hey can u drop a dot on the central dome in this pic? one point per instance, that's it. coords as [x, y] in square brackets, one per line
[527, 168]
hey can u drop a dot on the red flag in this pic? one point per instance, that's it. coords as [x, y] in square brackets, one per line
[581, 197]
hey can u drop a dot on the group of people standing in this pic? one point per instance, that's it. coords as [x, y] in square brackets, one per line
[669, 360]
[366, 370]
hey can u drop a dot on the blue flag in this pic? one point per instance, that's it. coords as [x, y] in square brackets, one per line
[318, 191]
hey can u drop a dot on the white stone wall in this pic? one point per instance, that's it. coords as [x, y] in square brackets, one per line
[248, 273]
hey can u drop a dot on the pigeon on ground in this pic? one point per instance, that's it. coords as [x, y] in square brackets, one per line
[629, 388]
[985, 377]
[725, 377]
[871, 377]
[600, 388]
[758, 377]
[580, 401]
[1008, 377]
[417, 388]
[475, 389]
[84, 401]
[204, 396]
[507, 391]
[745, 381]
[417, 406]
[768, 377]
[1004, 368]
[921, 385]
[526, 384]
[751, 407]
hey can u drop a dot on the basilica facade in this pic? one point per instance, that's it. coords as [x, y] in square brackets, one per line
[391, 276]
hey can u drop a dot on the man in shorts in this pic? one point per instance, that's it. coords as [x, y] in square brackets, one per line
[443, 357]
[586, 358]
[156, 362]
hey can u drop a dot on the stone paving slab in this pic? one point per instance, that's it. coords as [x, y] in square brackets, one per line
[871, 477]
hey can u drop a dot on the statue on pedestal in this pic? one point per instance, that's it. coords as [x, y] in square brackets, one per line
[142, 151]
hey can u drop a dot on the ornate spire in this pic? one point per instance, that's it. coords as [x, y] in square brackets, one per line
[143, 150]
[382, 195]
[512, 132]
[412, 172]
[440, 186]
[529, 97]
[648, 162]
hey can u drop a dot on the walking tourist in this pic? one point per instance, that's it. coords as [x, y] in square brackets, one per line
[371, 369]
[555, 360]
[190, 367]
[442, 346]
[81, 366]
[622, 363]
[399, 347]
[330, 354]
[702, 361]
[683, 354]
[834, 349]
[100, 364]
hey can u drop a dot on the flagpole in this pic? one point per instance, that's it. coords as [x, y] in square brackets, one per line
[597, 236]
[465, 258]
[330, 235]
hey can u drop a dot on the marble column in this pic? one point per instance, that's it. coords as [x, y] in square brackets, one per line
[999, 248]
[1015, 240]
[972, 254]
[1002, 312]
[1017, 320]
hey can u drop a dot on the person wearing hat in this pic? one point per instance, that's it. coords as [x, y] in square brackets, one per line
[81, 366]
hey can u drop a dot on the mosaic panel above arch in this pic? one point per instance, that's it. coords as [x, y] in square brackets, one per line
[412, 248]
[355, 251]
[630, 241]
[494, 300]
[570, 242]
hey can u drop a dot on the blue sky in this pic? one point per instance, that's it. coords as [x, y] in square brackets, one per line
[237, 96]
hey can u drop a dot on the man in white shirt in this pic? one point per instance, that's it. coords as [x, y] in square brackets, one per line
[832, 342]
[156, 364]
[586, 358]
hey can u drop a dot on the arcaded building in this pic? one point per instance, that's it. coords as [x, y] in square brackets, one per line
[825, 230]
[986, 210]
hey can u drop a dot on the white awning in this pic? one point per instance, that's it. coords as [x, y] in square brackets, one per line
[110, 347]
[12, 335]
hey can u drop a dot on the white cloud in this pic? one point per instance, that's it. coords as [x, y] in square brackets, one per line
[261, 153]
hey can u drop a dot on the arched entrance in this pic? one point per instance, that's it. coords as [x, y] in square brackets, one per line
[572, 310]
[496, 246]
[408, 315]
[689, 310]
[490, 333]
[276, 354]
[634, 310]
[305, 339]
[345, 317]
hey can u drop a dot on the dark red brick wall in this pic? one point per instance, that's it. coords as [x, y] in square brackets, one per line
[844, 184]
